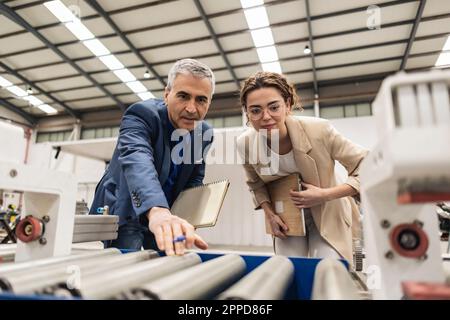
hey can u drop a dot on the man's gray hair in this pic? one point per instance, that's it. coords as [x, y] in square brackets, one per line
[193, 67]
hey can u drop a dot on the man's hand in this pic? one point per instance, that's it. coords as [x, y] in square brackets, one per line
[167, 227]
[310, 197]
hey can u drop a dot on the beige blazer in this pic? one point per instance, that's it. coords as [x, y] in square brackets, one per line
[316, 145]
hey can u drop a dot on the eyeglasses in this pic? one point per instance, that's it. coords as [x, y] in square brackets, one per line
[256, 113]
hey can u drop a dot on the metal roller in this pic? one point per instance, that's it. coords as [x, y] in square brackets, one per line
[87, 228]
[203, 281]
[96, 219]
[269, 281]
[29, 265]
[103, 285]
[26, 282]
[332, 281]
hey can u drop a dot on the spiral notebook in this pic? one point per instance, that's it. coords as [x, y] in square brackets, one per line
[200, 206]
[283, 205]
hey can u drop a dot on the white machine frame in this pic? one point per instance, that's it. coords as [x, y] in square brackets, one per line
[412, 112]
[49, 196]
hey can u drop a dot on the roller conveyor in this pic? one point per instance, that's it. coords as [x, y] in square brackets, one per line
[269, 281]
[26, 282]
[202, 281]
[103, 285]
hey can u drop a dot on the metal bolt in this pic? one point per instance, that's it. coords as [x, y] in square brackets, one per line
[389, 255]
[43, 241]
[46, 218]
[13, 173]
[28, 229]
[385, 224]
[418, 223]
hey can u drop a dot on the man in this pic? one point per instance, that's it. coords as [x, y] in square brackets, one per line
[144, 176]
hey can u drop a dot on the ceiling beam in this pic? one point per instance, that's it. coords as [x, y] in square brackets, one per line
[412, 36]
[140, 7]
[13, 16]
[30, 83]
[292, 41]
[311, 44]
[226, 34]
[8, 105]
[393, 58]
[217, 42]
[96, 6]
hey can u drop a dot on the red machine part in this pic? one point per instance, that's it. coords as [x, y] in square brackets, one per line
[29, 229]
[409, 240]
[422, 197]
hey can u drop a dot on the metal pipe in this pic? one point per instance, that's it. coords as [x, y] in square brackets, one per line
[95, 227]
[106, 285]
[269, 281]
[7, 255]
[71, 272]
[203, 281]
[332, 281]
[29, 265]
[85, 237]
[89, 219]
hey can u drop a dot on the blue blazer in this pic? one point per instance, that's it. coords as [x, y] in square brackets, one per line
[132, 183]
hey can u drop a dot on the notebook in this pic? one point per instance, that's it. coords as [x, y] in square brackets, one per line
[283, 205]
[200, 206]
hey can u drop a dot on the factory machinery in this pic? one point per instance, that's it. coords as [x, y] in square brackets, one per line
[47, 225]
[402, 180]
[145, 275]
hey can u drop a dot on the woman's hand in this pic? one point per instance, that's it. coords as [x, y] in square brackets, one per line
[310, 197]
[277, 226]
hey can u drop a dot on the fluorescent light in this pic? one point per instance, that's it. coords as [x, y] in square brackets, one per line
[256, 17]
[79, 30]
[17, 91]
[124, 75]
[96, 47]
[33, 100]
[145, 95]
[443, 59]
[251, 3]
[4, 82]
[47, 109]
[267, 54]
[60, 11]
[272, 66]
[447, 44]
[136, 86]
[111, 62]
[262, 37]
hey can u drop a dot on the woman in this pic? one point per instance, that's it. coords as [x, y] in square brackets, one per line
[308, 146]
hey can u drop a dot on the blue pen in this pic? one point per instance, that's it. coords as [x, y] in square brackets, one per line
[179, 239]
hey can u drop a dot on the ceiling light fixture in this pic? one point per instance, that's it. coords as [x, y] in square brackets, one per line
[307, 50]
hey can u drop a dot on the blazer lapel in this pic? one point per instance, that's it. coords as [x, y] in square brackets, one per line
[164, 167]
[302, 146]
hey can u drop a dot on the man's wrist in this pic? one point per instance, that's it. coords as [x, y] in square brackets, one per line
[155, 211]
